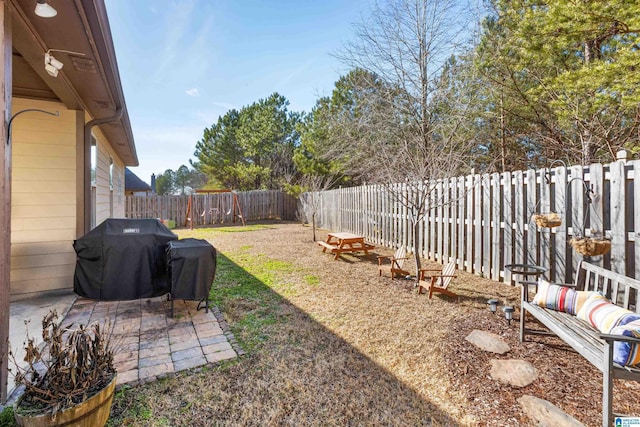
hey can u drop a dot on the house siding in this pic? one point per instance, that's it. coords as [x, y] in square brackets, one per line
[103, 189]
[44, 196]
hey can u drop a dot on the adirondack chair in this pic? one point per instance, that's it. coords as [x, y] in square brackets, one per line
[395, 265]
[437, 281]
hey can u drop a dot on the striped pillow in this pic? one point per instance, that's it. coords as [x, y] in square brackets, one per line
[560, 298]
[624, 353]
[604, 315]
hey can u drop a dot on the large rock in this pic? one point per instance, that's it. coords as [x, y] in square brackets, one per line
[545, 414]
[518, 373]
[488, 342]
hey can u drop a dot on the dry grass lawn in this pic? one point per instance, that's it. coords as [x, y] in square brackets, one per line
[329, 343]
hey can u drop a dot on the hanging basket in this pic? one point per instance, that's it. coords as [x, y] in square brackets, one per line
[587, 246]
[547, 220]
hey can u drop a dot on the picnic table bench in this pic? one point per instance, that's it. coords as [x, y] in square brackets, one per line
[590, 343]
[338, 243]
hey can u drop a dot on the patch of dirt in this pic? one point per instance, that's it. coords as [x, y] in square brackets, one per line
[236, 309]
[351, 348]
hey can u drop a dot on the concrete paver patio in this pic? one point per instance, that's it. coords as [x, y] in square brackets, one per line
[148, 344]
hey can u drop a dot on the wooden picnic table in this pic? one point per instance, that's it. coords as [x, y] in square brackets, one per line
[345, 242]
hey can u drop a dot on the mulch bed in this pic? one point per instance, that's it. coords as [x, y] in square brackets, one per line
[565, 378]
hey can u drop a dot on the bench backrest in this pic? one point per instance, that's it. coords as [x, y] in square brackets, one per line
[621, 290]
[448, 271]
[400, 256]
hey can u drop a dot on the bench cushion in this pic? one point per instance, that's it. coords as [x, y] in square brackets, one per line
[624, 353]
[560, 298]
[604, 315]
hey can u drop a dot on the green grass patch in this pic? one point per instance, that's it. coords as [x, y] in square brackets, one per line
[312, 280]
[6, 417]
[248, 289]
[135, 408]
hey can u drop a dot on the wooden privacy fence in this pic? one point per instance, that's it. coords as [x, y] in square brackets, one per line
[215, 208]
[484, 222]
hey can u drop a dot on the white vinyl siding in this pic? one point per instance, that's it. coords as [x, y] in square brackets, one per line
[103, 187]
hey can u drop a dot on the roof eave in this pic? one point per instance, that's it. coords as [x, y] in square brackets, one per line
[95, 9]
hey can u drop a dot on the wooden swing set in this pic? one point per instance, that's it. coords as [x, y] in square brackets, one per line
[235, 210]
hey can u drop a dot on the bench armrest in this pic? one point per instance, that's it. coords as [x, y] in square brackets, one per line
[421, 274]
[390, 258]
[384, 256]
[611, 338]
[381, 257]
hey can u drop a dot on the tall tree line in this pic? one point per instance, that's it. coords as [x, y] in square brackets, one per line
[427, 98]
[560, 80]
[181, 181]
[251, 148]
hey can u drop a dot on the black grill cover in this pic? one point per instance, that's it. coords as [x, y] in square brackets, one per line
[192, 266]
[122, 259]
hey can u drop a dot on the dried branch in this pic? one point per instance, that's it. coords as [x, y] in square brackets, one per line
[72, 366]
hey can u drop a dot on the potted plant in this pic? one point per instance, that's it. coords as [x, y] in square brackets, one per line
[590, 246]
[68, 381]
[548, 220]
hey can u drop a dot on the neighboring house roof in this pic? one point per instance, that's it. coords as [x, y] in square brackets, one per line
[133, 183]
[89, 81]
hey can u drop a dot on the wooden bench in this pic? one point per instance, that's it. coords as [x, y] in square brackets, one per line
[328, 246]
[594, 346]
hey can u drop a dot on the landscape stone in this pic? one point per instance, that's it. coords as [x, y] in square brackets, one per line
[546, 414]
[518, 373]
[488, 342]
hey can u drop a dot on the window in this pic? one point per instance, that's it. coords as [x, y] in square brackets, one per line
[110, 187]
[94, 165]
[110, 173]
[94, 161]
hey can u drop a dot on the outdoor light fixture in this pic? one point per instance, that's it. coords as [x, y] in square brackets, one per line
[508, 313]
[44, 9]
[52, 65]
[493, 305]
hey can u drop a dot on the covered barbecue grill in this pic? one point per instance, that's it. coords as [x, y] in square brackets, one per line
[122, 259]
[191, 266]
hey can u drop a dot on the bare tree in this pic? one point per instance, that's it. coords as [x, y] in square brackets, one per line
[405, 132]
[312, 185]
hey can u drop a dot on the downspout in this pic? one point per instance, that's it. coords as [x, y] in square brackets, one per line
[87, 162]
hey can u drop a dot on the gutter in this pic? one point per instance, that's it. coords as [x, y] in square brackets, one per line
[87, 162]
[101, 31]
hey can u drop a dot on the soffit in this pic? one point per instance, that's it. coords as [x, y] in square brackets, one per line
[88, 82]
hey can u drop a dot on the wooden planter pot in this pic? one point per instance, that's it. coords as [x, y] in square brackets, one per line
[591, 247]
[547, 220]
[93, 412]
